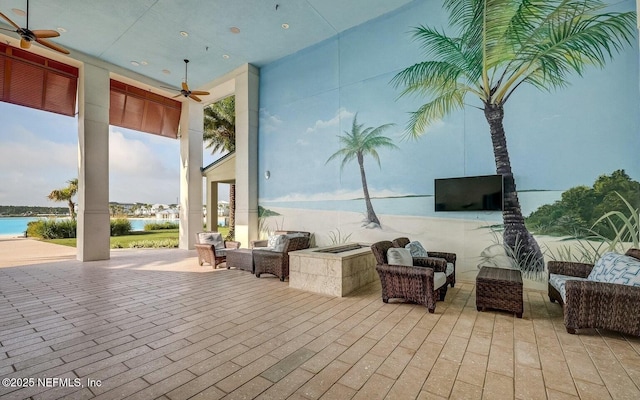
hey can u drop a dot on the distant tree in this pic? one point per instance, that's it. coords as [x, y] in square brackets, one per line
[220, 135]
[358, 143]
[66, 194]
[581, 206]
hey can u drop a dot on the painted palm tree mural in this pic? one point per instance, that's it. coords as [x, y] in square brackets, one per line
[501, 46]
[358, 143]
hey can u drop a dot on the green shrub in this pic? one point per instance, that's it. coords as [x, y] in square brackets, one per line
[52, 229]
[155, 226]
[120, 227]
[155, 244]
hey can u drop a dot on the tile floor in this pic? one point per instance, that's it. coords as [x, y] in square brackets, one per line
[153, 324]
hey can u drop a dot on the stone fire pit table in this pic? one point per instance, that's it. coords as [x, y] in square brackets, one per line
[333, 270]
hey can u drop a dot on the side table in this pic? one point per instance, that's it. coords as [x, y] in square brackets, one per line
[500, 289]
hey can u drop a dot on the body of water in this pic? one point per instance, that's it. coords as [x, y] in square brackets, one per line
[17, 225]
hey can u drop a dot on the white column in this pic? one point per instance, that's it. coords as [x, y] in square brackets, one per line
[191, 126]
[93, 164]
[212, 205]
[247, 96]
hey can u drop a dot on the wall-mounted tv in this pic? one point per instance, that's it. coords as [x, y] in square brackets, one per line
[469, 193]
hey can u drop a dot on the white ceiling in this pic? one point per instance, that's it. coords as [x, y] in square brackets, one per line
[123, 31]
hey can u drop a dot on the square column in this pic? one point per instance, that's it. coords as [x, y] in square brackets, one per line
[93, 164]
[212, 206]
[191, 126]
[247, 83]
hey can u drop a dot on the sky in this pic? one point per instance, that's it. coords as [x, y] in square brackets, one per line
[557, 139]
[39, 153]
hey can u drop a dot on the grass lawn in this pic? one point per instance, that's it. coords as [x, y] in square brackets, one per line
[140, 239]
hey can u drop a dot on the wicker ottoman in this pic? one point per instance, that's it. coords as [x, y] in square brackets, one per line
[500, 289]
[240, 259]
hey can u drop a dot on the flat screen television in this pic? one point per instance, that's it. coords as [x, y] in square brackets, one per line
[469, 193]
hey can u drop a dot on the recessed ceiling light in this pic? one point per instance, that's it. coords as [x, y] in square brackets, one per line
[285, 26]
[19, 12]
[234, 29]
[166, 72]
[183, 33]
[225, 56]
[135, 63]
[61, 29]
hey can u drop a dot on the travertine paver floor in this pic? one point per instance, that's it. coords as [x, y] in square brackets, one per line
[153, 324]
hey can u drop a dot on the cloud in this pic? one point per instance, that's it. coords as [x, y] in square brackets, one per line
[143, 168]
[128, 155]
[268, 122]
[335, 121]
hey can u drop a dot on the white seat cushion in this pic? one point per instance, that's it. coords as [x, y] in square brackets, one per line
[559, 283]
[221, 252]
[439, 280]
[449, 269]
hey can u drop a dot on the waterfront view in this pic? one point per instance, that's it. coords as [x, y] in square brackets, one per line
[16, 226]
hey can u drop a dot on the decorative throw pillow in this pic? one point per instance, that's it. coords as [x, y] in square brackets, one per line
[398, 256]
[603, 270]
[416, 249]
[626, 271]
[276, 242]
[211, 238]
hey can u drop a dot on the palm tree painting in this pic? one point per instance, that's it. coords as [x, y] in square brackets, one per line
[66, 194]
[356, 144]
[501, 46]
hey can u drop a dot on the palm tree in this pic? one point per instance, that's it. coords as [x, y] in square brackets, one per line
[220, 125]
[502, 45]
[356, 144]
[66, 194]
[220, 135]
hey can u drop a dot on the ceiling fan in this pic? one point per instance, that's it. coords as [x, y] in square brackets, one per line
[192, 94]
[28, 36]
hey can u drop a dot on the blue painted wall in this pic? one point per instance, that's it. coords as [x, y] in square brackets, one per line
[557, 140]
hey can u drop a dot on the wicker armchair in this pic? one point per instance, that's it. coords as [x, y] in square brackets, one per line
[412, 283]
[591, 304]
[277, 262]
[450, 257]
[263, 243]
[212, 248]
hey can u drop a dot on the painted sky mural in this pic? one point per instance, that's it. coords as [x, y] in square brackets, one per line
[557, 139]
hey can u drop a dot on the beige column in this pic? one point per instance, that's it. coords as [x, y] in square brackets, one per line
[212, 205]
[191, 126]
[247, 92]
[93, 164]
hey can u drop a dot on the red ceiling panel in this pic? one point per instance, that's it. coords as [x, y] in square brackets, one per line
[34, 81]
[141, 110]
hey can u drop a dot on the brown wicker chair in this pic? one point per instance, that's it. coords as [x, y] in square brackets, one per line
[412, 283]
[263, 243]
[277, 262]
[599, 305]
[450, 257]
[212, 248]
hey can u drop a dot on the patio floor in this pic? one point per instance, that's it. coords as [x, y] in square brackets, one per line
[153, 324]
